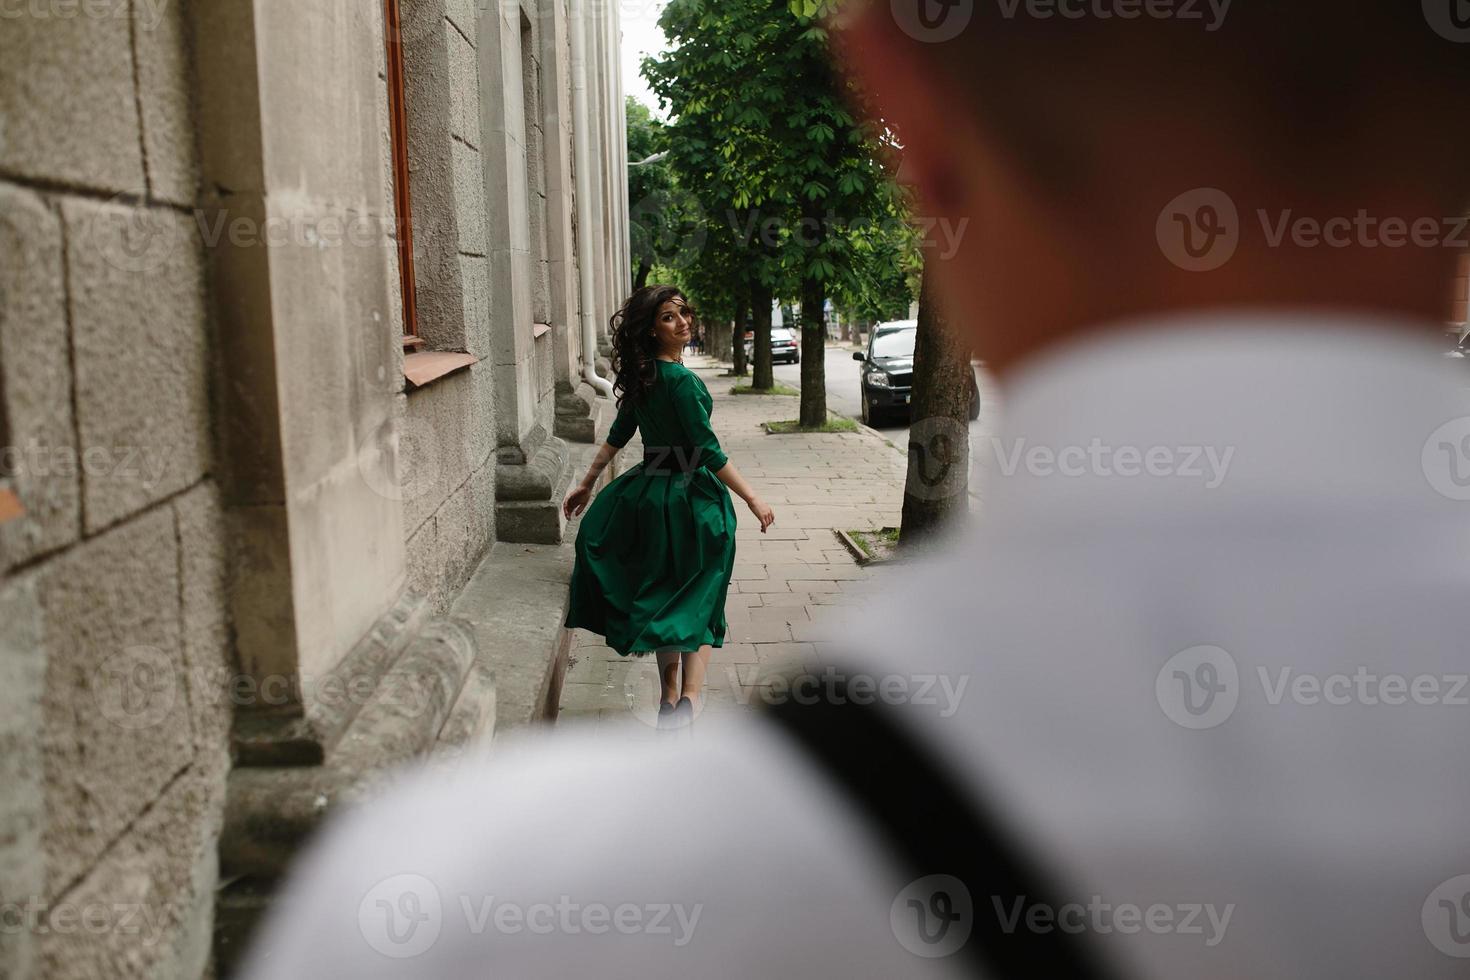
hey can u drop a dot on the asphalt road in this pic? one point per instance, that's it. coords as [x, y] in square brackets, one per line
[844, 396]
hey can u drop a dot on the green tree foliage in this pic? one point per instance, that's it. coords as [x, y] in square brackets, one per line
[764, 137]
[667, 225]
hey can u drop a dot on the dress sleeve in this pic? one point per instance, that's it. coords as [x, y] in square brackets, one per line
[623, 426]
[695, 419]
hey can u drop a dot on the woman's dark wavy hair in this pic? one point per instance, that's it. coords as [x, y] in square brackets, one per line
[633, 343]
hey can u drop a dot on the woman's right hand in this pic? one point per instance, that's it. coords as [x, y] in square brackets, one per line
[762, 513]
[576, 501]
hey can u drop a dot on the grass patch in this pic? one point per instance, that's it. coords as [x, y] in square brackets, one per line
[878, 544]
[776, 389]
[787, 426]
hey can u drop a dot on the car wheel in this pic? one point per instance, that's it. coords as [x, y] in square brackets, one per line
[796, 359]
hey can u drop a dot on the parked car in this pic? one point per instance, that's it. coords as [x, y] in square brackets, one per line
[785, 346]
[887, 381]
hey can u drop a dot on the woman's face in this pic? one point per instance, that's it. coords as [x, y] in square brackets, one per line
[672, 325]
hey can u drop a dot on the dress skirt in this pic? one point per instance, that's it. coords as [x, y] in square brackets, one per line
[654, 555]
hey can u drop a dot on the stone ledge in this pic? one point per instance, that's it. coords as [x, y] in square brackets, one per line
[528, 497]
[423, 683]
[271, 810]
[303, 734]
[496, 663]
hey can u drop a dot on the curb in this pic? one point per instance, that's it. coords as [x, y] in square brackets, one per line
[858, 554]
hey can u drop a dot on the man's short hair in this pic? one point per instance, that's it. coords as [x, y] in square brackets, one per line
[1324, 91]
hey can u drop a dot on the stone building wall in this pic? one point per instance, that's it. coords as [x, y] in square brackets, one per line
[113, 624]
[447, 426]
[219, 494]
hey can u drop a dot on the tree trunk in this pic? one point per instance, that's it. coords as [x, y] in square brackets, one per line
[719, 347]
[814, 353]
[641, 279]
[760, 313]
[738, 366]
[936, 491]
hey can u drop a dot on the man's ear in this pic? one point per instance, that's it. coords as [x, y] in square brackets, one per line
[911, 95]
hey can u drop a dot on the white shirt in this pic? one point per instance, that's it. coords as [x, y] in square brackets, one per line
[1312, 818]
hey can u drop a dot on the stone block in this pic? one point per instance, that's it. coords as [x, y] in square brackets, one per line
[321, 144]
[22, 677]
[464, 86]
[475, 277]
[464, 15]
[469, 199]
[482, 489]
[204, 610]
[347, 565]
[262, 605]
[249, 423]
[529, 520]
[444, 551]
[423, 554]
[136, 283]
[333, 347]
[434, 443]
[539, 477]
[117, 724]
[231, 141]
[154, 887]
[67, 108]
[165, 78]
[37, 442]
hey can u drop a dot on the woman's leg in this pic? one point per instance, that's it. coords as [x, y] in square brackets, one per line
[696, 662]
[668, 676]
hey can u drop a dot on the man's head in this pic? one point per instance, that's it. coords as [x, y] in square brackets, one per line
[1116, 158]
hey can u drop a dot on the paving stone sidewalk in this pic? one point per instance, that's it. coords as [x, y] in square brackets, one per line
[790, 584]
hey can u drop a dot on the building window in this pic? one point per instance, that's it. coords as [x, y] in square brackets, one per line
[398, 136]
[421, 365]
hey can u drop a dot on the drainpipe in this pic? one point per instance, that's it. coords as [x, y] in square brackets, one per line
[585, 248]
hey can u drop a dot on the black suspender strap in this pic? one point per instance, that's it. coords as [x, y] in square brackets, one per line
[935, 828]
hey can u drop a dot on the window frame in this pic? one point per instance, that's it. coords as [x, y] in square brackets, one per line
[398, 140]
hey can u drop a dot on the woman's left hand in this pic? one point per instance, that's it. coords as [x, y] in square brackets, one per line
[576, 501]
[763, 513]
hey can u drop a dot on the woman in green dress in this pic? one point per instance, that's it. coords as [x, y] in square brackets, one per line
[656, 548]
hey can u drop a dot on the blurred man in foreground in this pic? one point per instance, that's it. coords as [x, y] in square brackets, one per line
[1205, 648]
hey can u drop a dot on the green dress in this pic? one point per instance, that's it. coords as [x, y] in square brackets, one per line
[656, 547]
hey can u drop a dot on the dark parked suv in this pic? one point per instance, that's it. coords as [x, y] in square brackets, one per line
[888, 373]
